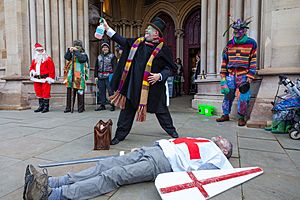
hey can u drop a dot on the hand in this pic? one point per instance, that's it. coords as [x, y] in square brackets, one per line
[249, 80]
[73, 49]
[153, 78]
[49, 80]
[106, 27]
[96, 80]
[32, 73]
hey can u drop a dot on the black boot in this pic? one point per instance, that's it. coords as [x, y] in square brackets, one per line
[101, 107]
[46, 106]
[68, 103]
[41, 105]
[112, 108]
[80, 102]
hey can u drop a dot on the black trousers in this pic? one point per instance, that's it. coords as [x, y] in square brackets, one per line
[80, 99]
[126, 119]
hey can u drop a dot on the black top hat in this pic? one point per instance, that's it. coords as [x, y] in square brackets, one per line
[158, 24]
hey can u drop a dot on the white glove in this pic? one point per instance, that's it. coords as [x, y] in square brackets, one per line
[49, 80]
[65, 81]
[32, 73]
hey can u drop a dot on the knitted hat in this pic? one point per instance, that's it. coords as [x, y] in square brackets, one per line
[38, 46]
[158, 24]
[105, 43]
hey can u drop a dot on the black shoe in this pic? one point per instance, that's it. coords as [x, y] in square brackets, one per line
[174, 134]
[102, 107]
[80, 111]
[112, 108]
[46, 109]
[114, 141]
[67, 110]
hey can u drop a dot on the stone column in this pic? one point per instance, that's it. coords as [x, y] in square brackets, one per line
[48, 27]
[123, 22]
[203, 35]
[138, 25]
[86, 26]
[179, 43]
[32, 22]
[221, 28]
[211, 44]
[61, 35]
[14, 95]
[236, 11]
[131, 29]
[74, 20]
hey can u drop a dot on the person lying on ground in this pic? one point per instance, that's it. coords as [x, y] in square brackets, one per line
[140, 165]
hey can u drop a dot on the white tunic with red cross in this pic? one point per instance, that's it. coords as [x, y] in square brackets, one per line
[189, 154]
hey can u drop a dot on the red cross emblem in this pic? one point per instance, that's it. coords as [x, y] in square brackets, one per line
[200, 183]
[192, 146]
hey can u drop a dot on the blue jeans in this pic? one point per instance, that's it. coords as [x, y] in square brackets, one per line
[103, 84]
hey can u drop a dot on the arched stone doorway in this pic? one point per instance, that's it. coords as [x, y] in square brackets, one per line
[191, 46]
[169, 36]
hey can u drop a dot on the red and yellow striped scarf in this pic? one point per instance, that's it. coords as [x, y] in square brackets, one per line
[118, 99]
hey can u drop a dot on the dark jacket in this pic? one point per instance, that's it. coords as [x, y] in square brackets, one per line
[105, 65]
[162, 63]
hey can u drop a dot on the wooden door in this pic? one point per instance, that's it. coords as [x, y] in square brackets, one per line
[191, 42]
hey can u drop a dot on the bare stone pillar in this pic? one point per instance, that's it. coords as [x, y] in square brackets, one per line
[74, 19]
[13, 95]
[32, 22]
[236, 11]
[203, 35]
[123, 21]
[61, 35]
[179, 43]
[131, 29]
[139, 25]
[86, 25]
[211, 43]
[48, 27]
[221, 28]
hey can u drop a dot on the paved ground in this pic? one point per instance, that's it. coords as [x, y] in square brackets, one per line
[28, 137]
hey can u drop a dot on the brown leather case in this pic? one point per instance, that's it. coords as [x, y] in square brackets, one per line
[102, 135]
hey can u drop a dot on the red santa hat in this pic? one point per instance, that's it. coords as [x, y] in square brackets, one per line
[38, 46]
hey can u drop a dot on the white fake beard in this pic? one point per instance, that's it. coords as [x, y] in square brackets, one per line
[40, 57]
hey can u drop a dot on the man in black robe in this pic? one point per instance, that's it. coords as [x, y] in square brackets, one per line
[161, 68]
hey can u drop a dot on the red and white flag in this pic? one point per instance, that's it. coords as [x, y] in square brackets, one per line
[204, 184]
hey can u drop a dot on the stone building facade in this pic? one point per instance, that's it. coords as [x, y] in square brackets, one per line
[192, 26]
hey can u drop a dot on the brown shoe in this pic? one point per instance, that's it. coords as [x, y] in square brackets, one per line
[223, 118]
[241, 122]
[36, 185]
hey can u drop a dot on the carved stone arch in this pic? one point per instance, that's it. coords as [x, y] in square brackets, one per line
[185, 10]
[158, 7]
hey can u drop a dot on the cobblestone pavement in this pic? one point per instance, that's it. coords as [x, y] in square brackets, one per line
[27, 137]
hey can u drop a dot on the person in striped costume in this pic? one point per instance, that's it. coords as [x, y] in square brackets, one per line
[237, 70]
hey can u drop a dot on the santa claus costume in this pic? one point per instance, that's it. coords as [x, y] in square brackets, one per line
[42, 73]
